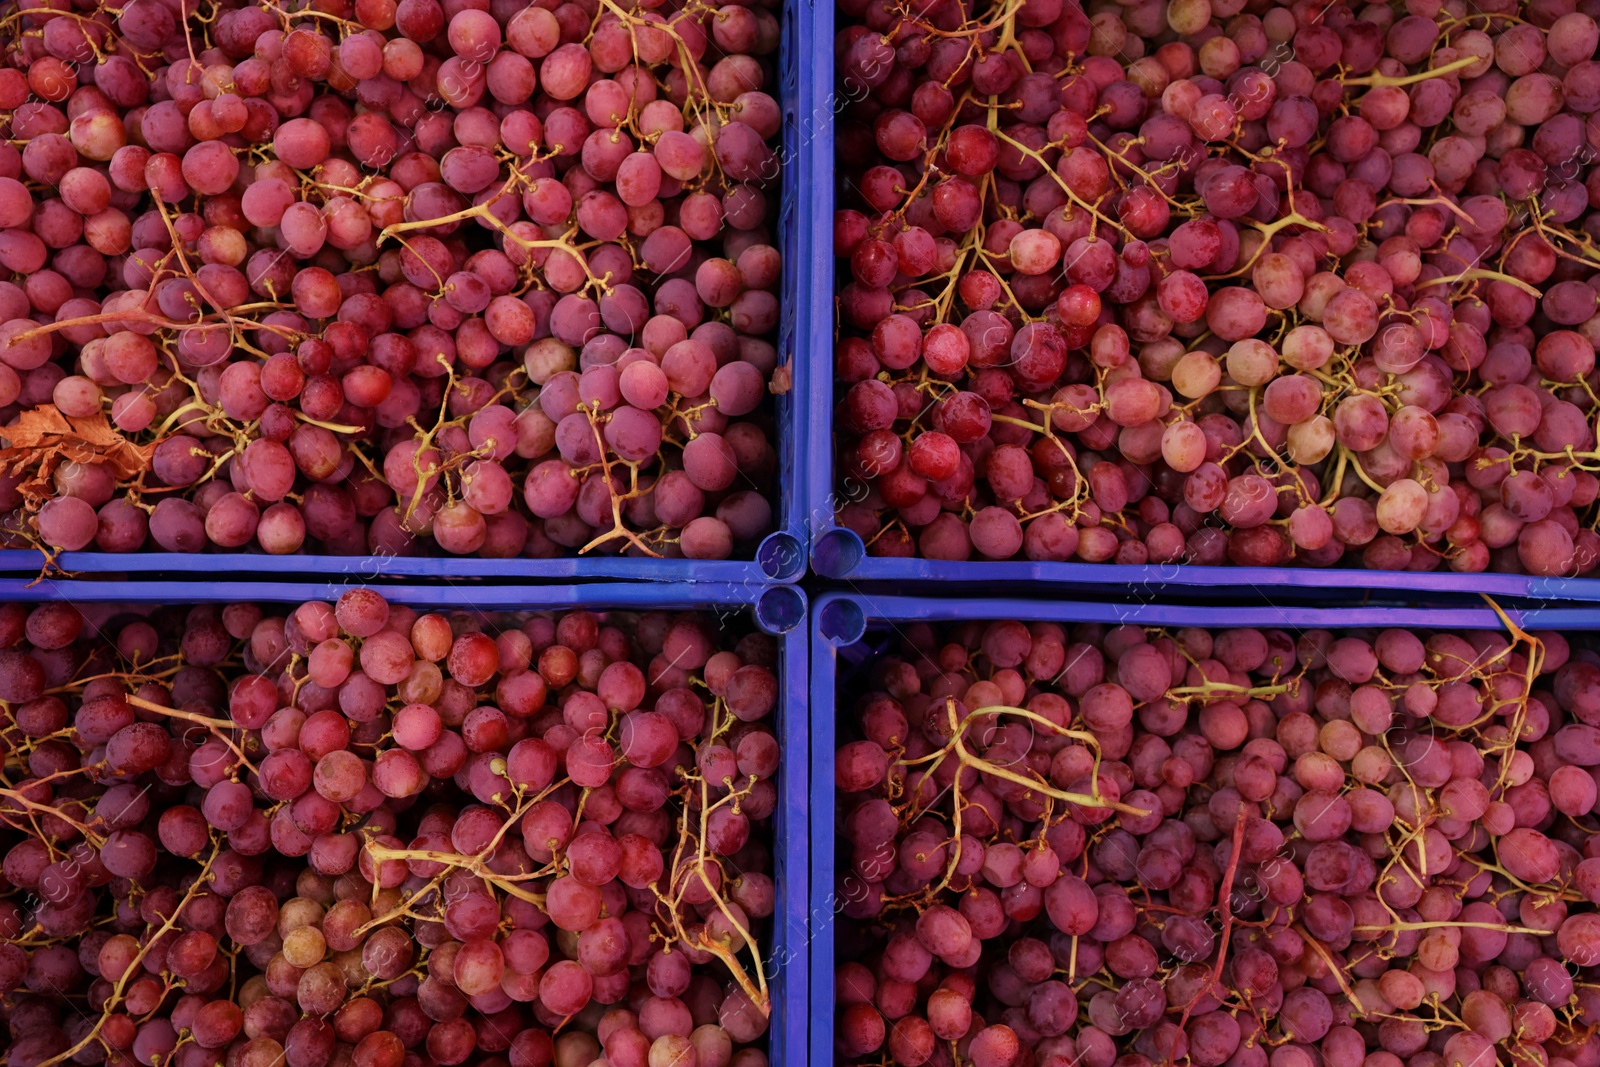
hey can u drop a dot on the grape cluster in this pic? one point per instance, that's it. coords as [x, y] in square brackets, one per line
[377, 277]
[1121, 847]
[352, 834]
[1208, 281]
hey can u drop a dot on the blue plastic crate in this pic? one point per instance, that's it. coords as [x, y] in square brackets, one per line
[805, 215]
[839, 553]
[779, 610]
[846, 634]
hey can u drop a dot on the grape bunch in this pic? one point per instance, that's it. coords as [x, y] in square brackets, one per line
[352, 834]
[366, 277]
[1211, 282]
[1128, 847]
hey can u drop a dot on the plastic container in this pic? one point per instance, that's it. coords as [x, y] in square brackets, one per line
[804, 226]
[838, 553]
[847, 632]
[777, 610]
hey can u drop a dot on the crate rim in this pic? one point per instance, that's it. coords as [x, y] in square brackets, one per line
[838, 615]
[839, 554]
[783, 550]
[777, 609]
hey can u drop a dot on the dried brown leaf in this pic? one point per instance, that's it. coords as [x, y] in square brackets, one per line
[43, 438]
[782, 380]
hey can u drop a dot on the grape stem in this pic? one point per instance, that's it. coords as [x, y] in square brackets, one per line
[619, 529]
[958, 745]
[1411, 79]
[222, 728]
[1334, 968]
[18, 797]
[1225, 905]
[1477, 274]
[687, 870]
[201, 882]
[472, 864]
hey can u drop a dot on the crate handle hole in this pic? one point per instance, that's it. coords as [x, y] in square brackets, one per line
[842, 621]
[780, 609]
[781, 556]
[837, 552]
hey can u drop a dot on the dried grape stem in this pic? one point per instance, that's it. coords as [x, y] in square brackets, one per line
[222, 728]
[958, 745]
[134, 969]
[1225, 905]
[683, 873]
[1411, 79]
